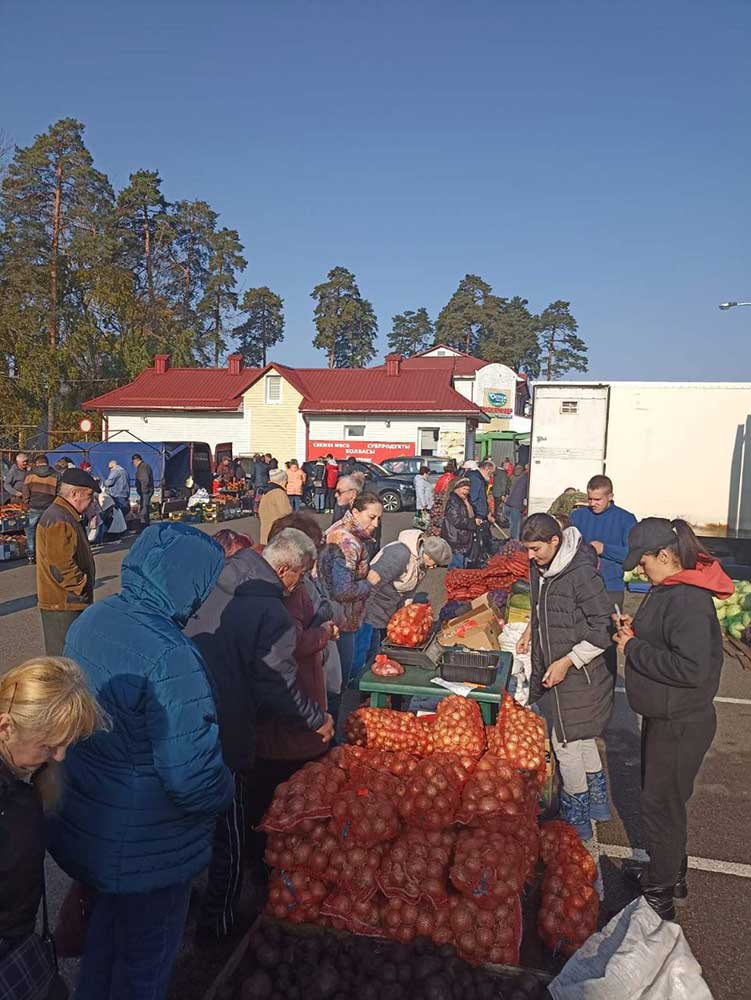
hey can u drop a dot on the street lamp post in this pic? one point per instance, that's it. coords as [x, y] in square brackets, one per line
[732, 305]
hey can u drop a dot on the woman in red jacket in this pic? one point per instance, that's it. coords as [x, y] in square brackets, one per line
[331, 479]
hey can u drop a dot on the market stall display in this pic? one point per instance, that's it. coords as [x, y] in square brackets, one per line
[734, 613]
[13, 518]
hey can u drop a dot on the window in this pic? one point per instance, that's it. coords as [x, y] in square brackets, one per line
[569, 406]
[354, 430]
[273, 388]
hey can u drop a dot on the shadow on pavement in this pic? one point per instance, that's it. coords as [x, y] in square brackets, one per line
[30, 600]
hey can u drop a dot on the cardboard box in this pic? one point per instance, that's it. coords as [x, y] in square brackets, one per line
[474, 630]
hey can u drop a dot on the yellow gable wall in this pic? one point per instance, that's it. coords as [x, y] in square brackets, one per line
[273, 426]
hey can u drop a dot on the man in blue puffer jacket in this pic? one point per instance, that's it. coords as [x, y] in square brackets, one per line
[140, 802]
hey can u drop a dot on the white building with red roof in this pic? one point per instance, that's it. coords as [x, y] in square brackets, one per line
[429, 404]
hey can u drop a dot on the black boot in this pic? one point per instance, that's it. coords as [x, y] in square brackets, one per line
[660, 898]
[636, 872]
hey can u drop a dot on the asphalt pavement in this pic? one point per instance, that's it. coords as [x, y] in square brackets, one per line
[716, 915]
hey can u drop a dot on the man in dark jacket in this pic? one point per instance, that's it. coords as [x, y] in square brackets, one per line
[145, 489]
[248, 641]
[140, 801]
[65, 563]
[516, 500]
[38, 490]
[260, 473]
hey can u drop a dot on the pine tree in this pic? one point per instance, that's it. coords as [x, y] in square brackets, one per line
[562, 350]
[461, 321]
[263, 327]
[54, 211]
[141, 210]
[411, 332]
[186, 232]
[509, 335]
[220, 297]
[346, 323]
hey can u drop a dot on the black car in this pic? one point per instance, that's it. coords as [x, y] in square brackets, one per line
[395, 492]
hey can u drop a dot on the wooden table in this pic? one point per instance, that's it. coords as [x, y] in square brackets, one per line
[416, 681]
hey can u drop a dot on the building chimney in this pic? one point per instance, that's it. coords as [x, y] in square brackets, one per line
[235, 364]
[393, 364]
[161, 363]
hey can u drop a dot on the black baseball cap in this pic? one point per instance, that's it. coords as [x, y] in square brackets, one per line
[77, 477]
[649, 535]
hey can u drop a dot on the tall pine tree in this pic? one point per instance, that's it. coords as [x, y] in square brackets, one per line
[345, 321]
[461, 321]
[509, 335]
[411, 332]
[263, 326]
[562, 350]
[219, 297]
[55, 208]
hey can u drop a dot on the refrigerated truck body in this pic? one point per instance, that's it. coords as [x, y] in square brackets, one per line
[672, 449]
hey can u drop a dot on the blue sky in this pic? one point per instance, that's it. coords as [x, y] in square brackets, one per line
[588, 150]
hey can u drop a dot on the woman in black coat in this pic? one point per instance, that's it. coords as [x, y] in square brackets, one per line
[568, 634]
[673, 649]
[44, 707]
[459, 523]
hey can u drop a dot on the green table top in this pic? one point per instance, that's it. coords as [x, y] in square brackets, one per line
[415, 680]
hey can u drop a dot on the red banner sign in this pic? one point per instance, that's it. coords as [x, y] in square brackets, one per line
[367, 451]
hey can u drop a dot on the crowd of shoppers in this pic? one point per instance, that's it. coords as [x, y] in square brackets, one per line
[222, 666]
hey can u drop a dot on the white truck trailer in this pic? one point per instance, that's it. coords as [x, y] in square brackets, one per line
[672, 449]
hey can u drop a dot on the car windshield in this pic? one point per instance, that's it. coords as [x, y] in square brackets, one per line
[377, 469]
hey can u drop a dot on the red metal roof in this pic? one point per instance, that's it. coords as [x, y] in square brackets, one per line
[358, 390]
[324, 390]
[179, 388]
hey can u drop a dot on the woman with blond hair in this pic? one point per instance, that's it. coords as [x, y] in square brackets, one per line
[45, 706]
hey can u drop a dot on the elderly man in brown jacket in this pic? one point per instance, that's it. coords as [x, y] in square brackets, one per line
[65, 562]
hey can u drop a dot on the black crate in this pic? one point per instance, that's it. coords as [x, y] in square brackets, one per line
[473, 666]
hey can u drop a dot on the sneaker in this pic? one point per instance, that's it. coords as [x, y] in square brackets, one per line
[574, 809]
[599, 808]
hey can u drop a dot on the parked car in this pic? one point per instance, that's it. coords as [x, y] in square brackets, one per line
[410, 465]
[395, 492]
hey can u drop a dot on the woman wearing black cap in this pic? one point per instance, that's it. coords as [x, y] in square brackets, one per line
[673, 650]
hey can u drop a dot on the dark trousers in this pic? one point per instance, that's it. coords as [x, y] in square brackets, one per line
[225, 879]
[611, 653]
[330, 498]
[671, 755]
[144, 511]
[131, 944]
[55, 625]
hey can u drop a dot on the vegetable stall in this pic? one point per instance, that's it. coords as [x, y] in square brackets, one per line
[412, 862]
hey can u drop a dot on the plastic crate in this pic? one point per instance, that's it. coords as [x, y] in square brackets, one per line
[638, 588]
[473, 666]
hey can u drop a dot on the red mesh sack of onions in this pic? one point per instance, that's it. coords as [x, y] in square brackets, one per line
[404, 921]
[486, 935]
[459, 727]
[495, 796]
[558, 838]
[458, 764]
[348, 914]
[294, 851]
[523, 738]
[308, 795]
[384, 729]
[426, 729]
[527, 836]
[398, 763]
[410, 626]
[415, 866]
[493, 740]
[295, 896]
[567, 915]
[488, 867]
[364, 817]
[432, 795]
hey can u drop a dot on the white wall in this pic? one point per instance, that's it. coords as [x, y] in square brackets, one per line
[678, 450]
[185, 425]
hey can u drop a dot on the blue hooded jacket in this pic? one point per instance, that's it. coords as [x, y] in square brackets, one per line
[139, 802]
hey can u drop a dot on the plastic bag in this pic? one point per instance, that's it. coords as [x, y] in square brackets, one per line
[637, 955]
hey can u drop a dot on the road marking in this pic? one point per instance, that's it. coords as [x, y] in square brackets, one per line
[721, 700]
[699, 864]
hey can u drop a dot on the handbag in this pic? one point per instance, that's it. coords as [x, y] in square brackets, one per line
[73, 920]
[28, 971]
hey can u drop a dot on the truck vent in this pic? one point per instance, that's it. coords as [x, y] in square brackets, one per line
[570, 406]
